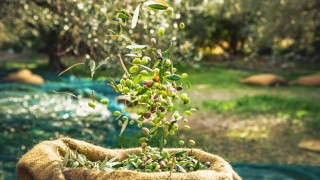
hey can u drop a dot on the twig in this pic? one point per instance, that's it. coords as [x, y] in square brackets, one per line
[171, 168]
[123, 66]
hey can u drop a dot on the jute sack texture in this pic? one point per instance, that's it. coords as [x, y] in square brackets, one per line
[44, 162]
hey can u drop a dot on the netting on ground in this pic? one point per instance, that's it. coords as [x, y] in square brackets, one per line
[32, 113]
[276, 172]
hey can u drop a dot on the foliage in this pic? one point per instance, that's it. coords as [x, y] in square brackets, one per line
[79, 28]
[250, 27]
[238, 27]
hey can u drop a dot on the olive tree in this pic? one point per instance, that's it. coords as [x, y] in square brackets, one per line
[79, 28]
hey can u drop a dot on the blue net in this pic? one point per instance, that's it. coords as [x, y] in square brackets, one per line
[33, 113]
[277, 172]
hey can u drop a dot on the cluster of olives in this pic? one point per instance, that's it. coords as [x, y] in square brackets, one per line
[152, 160]
[153, 92]
[148, 160]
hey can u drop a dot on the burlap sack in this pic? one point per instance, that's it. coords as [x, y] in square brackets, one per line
[44, 162]
[264, 80]
[24, 76]
[312, 80]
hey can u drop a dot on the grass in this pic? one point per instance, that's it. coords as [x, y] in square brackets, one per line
[297, 108]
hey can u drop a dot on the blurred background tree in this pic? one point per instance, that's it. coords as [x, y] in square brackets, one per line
[79, 28]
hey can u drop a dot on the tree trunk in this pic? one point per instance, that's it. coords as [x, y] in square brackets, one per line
[55, 62]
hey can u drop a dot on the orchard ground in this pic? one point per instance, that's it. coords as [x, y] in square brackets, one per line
[239, 122]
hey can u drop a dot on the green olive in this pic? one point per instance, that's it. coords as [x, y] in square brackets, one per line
[133, 69]
[167, 62]
[75, 164]
[144, 73]
[184, 75]
[174, 70]
[142, 140]
[182, 25]
[161, 31]
[125, 90]
[188, 113]
[104, 101]
[192, 142]
[92, 105]
[136, 61]
[181, 142]
[176, 116]
[193, 110]
[145, 60]
[169, 10]
[139, 125]
[167, 73]
[165, 155]
[184, 96]
[156, 120]
[117, 113]
[156, 70]
[186, 127]
[128, 83]
[175, 126]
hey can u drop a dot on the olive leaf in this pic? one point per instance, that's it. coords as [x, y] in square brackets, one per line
[92, 66]
[135, 17]
[161, 141]
[180, 153]
[188, 84]
[121, 15]
[142, 92]
[171, 124]
[136, 46]
[197, 166]
[101, 63]
[145, 67]
[154, 129]
[173, 77]
[157, 4]
[180, 168]
[103, 164]
[66, 158]
[124, 125]
[136, 49]
[166, 54]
